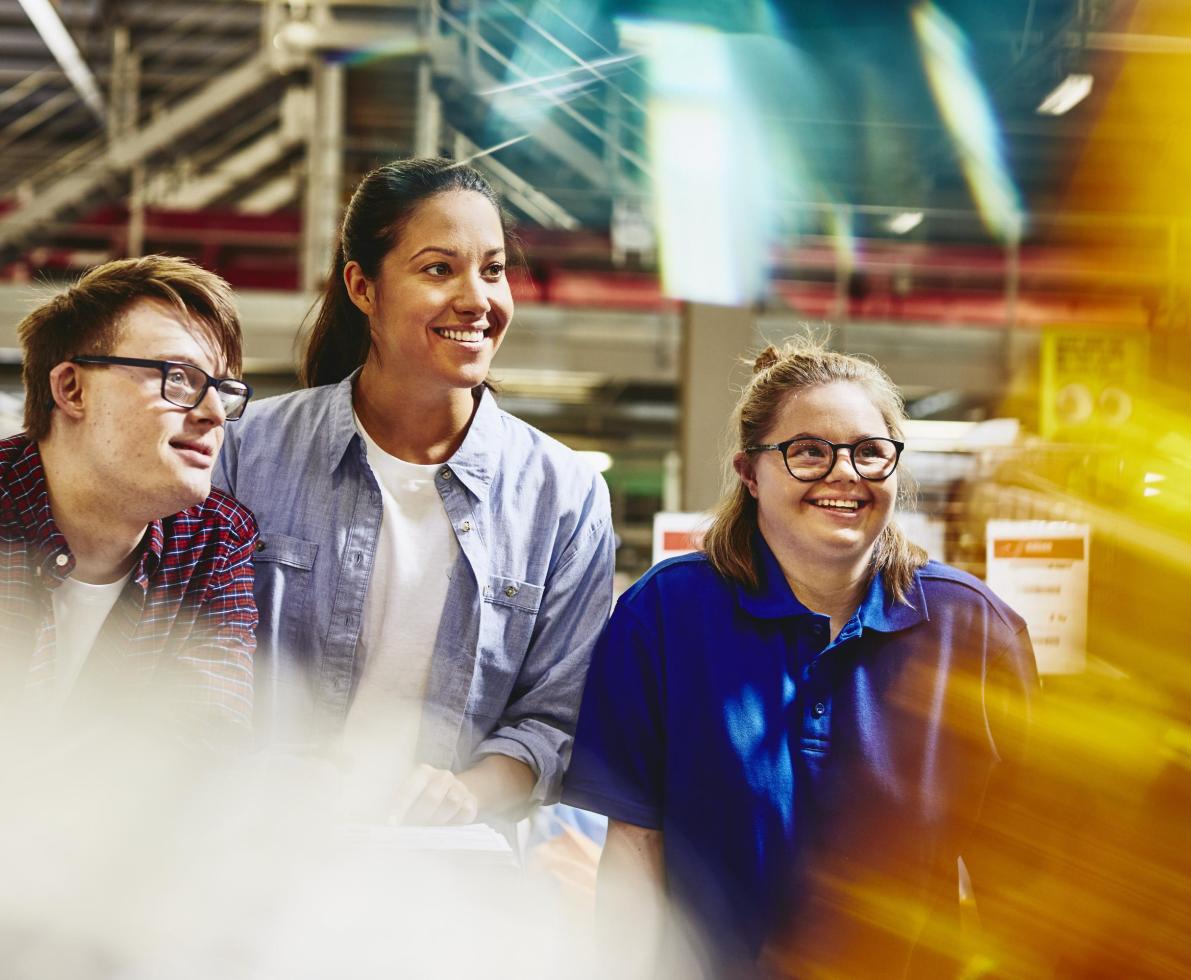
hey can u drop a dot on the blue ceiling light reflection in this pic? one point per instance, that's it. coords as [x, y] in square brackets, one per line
[968, 115]
[712, 167]
[544, 70]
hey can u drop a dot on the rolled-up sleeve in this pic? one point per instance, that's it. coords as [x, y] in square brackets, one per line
[538, 723]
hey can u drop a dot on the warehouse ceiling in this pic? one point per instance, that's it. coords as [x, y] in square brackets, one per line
[842, 90]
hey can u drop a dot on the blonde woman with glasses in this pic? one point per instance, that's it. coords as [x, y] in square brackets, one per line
[792, 731]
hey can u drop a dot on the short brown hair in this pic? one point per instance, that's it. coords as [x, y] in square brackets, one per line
[799, 364]
[85, 319]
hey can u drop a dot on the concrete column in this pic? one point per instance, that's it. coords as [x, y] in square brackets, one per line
[123, 112]
[714, 339]
[428, 118]
[321, 202]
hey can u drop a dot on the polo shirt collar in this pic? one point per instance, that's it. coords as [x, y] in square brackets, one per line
[774, 599]
[474, 462]
[880, 612]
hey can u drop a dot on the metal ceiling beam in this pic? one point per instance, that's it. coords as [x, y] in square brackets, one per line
[215, 171]
[120, 157]
[57, 38]
[544, 210]
[271, 195]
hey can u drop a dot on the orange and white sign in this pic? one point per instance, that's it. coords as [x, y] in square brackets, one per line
[1041, 569]
[678, 533]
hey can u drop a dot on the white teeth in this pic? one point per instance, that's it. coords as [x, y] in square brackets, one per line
[838, 504]
[467, 336]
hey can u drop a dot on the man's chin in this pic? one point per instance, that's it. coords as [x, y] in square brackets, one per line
[186, 495]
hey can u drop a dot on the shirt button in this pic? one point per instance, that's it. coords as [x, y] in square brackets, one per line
[819, 710]
[511, 591]
[465, 526]
[61, 560]
[260, 545]
[445, 473]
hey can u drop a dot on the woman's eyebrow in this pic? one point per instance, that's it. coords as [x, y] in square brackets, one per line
[451, 253]
[442, 250]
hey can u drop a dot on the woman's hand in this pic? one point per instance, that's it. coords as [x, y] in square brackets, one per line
[434, 796]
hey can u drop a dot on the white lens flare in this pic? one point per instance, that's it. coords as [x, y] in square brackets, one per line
[965, 109]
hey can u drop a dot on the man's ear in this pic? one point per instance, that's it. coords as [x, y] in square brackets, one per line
[66, 389]
[742, 463]
[360, 289]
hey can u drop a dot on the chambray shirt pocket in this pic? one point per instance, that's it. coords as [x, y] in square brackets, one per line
[507, 621]
[283, 568]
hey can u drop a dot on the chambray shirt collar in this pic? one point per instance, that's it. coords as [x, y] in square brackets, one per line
[340, 431]
[474, 462]
[774, 599]
[476, 459]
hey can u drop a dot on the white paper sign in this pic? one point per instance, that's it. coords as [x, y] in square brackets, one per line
[678, 533]
[1041, 569]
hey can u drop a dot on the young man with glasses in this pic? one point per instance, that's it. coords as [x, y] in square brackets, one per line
[125, 579]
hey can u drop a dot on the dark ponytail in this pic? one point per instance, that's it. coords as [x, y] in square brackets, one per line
[386, 199]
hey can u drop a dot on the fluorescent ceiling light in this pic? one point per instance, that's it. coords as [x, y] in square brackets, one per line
[1071, 91]
[899, 224]
[53, 32]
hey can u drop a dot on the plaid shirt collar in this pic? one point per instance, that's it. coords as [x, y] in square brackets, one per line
[50, 555]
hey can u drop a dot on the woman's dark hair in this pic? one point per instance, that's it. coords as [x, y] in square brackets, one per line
[375, 217]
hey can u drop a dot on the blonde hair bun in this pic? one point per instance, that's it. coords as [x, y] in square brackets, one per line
[766, 359]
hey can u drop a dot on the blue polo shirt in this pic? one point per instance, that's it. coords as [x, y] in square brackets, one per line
[787, 770]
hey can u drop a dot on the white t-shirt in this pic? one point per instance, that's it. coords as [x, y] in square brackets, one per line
[80, 609]
[416, 551]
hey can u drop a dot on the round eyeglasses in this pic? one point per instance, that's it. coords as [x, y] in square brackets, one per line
[808, 459]
[184, 385]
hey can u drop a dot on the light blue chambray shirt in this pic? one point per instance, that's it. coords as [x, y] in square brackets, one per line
[528, 597]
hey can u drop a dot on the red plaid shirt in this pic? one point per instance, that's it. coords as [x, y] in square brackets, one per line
[187, 614]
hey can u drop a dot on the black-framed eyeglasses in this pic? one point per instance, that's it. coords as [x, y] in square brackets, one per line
[809, 459]
[184, 385]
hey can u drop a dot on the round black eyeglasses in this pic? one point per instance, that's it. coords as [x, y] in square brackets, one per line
[184, 385]
[808, 460]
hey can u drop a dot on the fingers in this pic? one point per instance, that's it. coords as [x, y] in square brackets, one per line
[433, 796]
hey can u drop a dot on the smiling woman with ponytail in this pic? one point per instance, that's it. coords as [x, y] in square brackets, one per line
[432, 571]
[791, 732]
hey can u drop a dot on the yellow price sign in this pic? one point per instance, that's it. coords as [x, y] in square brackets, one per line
[1089, 380]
